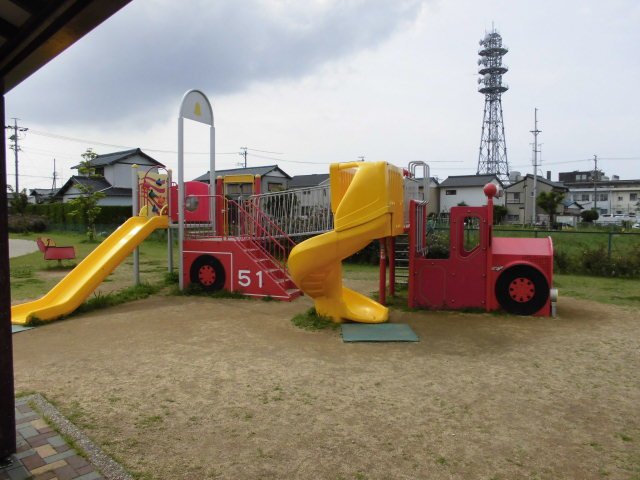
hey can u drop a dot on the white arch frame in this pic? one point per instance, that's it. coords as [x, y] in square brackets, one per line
[195, 106]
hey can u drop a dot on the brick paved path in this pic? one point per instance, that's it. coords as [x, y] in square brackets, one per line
[43, 454]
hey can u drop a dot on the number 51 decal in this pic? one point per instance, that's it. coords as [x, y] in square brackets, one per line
[244, 278]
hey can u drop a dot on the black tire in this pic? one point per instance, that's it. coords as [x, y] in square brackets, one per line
[208, 272]
[522, 290]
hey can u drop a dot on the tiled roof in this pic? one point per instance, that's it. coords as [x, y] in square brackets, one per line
[540, 179]
[43, 191]
[311, 180]
[468, 180]
[244, 171]
[98, 184]
[119, 157]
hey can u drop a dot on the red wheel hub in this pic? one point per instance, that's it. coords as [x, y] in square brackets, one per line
[207, 275]
[522, 290]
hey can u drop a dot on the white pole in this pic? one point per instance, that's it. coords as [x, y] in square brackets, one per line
[180, 200]
[212, 177]
[535, 132]
[169, 230]
[135, 208]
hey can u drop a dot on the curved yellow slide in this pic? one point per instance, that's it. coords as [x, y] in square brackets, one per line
[364, 201]
[80, 282]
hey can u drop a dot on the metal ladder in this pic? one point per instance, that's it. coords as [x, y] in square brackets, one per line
[402, 260]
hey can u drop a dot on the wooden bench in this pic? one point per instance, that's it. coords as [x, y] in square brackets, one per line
[53, 252]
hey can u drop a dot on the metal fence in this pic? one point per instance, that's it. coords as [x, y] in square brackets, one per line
[298, 212]
[612, 241]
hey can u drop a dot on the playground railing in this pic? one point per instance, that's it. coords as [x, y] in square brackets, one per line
[256, 226]
[418, 227]
[298, 212]
[246, 224]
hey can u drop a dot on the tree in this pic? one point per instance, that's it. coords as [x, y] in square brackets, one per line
[590, 216]
[85, 206]
[549, 201]
[18, 202]
[499, 212]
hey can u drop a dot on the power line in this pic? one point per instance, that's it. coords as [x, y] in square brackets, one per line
[126, 147]
[264, 151]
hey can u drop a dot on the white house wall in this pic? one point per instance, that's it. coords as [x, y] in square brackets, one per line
[274, 177]
[119, 174]
[115, 201]
[611, 199]
[472, 196]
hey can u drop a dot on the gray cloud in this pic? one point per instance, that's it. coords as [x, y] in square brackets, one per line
[146, 56]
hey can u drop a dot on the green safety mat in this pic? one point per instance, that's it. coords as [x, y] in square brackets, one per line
[378, 332]
[19, 328]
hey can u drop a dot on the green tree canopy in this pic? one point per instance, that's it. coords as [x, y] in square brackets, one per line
[499, 212]
[549, 202]
[19, 201]
[85, 206]
[590, 215]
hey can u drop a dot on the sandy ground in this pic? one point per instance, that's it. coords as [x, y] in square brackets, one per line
[19, 247]
[192, 388]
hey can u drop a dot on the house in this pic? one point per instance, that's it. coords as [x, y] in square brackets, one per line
[312, 195]
[239, 181]
[42, 195]
[519, 199]
[306, 181]
[571, 212]
[112, 176]
[434, 196]
[612, 195]
[467, 189]
[579, 176]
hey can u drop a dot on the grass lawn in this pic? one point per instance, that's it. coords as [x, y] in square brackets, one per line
[615, 291]
[32, 276]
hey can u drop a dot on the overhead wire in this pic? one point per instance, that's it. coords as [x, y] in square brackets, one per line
[127, 147]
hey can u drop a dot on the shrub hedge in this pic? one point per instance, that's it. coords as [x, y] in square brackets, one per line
[58, 214]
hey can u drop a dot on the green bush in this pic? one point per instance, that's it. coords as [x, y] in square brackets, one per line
[27, 223]
[597, 262]
[369, 255]
[58, 214]
[563, 262]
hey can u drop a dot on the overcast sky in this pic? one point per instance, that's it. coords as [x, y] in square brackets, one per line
[307, 83]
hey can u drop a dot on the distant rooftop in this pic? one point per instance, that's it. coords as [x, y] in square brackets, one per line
[244, 171]
[311, 180]
[469, 180]
[120, 157]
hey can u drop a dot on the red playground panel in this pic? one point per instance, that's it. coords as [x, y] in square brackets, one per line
[236, 264]
[514, 274]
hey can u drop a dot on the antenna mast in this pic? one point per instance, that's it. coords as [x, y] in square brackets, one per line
[492, 158]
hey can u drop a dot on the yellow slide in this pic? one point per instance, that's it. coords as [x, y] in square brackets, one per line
[73, 289]
[366, 199]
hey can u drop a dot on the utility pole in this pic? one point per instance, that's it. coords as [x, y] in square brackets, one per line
[15, 147]
[53, 186]
[595, 178]
[535, 132]
[243, 153]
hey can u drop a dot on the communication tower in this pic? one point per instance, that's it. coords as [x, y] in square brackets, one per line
[493, 146]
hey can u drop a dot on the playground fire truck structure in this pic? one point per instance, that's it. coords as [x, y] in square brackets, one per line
[255, 237]
[246, 245]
